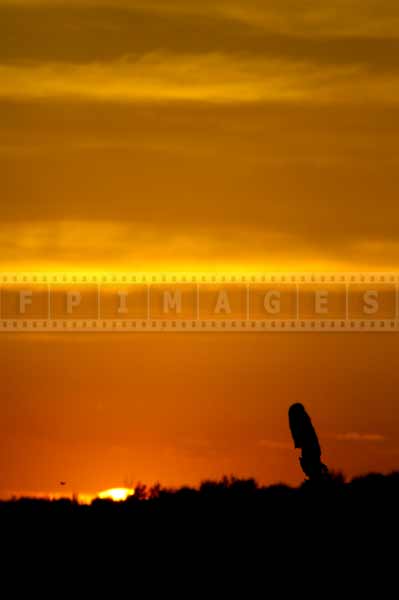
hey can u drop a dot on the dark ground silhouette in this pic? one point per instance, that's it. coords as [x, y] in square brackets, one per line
[223, 535]
[306, 530]
[231, 503]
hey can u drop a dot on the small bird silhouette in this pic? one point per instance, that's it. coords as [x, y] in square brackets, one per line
[62, 482]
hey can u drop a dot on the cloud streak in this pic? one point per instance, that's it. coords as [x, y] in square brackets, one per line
[344, 33]
[205, 78]
[354, 436]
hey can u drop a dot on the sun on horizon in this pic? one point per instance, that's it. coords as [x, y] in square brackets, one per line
[116, 494]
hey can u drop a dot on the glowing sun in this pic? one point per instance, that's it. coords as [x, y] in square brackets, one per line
[116, 494]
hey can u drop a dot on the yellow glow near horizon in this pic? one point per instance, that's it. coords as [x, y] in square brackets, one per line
[158, 142]
[235, 273]
[116, 494]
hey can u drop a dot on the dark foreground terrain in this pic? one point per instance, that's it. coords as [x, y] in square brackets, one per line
[230, 507]
[314, 537]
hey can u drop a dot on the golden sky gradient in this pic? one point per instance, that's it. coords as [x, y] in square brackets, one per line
[196, 135]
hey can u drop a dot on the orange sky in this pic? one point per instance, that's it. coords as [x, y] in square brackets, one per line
[200, 135]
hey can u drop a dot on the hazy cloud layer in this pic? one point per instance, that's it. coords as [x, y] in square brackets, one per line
[260, 133]
[213, 51]
[205, 77]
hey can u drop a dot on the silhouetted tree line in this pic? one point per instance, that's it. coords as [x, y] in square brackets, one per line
[233, 517]
[244, 498]
[219, 528]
